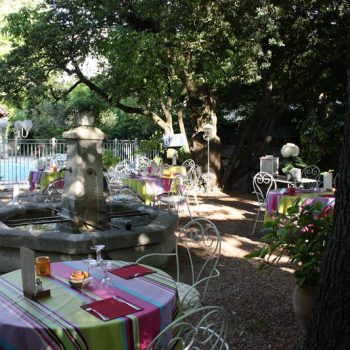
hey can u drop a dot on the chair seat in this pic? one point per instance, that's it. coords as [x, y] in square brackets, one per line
[172, 199]
[123, 198]
[190, 300]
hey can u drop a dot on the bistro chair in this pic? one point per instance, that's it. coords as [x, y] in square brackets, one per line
[312, 172]
[125, 194]
[262, 184]
[203, 328]
[143, 163]
[176, 197]
[114, 176]
[192, 280]
[192, 182]
[188, 164]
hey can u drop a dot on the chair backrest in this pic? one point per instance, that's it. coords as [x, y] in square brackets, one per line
[193, 178]
[263, 182]
[198, 239]
[202, 328]
[312, 172]
[143, 163]
[189, 164]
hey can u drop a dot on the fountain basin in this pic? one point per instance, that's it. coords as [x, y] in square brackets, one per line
[156, 236]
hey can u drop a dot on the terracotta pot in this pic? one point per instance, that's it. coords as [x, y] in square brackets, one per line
[303, 303]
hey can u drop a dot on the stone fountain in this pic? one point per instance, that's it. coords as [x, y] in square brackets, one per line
[83, 215]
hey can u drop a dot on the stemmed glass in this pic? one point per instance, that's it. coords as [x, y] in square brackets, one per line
[98, 248]
[85, 283]
[106, 282]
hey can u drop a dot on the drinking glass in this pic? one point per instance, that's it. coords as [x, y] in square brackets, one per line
[106, 282]
[98, 248]
[84, 284]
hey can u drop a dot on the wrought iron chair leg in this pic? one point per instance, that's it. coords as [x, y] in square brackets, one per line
[256, 221]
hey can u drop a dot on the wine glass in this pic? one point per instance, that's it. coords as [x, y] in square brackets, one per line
[84, 284]
[106, 282]
[98, 248]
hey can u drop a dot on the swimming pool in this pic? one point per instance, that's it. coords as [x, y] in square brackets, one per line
[8, 171]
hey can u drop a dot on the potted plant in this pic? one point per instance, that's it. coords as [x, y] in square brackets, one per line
[291, 160]
[301, 235]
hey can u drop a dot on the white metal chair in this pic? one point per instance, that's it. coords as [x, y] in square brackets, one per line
[192, 280]
[115, 175]
[203, 328]
[192, 182]
[176, 197]
[125, 194]
[143, 163]
[312, 172]
[189, 164]
[262, 184]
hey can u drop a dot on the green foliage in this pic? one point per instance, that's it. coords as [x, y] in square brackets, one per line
[182, 155]
[83, 100]
[301, 235]
[155, 142]
[289, 163]
[321, 139]
[108, 159]
[120, 125]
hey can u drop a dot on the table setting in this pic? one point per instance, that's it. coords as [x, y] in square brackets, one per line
[279, 200]
[93, 304]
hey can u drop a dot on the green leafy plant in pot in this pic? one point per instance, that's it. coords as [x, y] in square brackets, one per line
[301, 235]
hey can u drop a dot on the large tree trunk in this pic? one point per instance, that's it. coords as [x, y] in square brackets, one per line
[201, 108]
[250, 143]
[330, 325]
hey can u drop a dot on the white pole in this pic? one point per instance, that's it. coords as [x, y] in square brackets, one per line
[208, 169]
[16, 187]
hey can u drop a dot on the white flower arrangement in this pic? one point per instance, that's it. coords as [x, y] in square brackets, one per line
[290, 150]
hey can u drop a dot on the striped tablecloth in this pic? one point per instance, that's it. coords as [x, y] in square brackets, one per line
[279, 201]
[147, 187]
[42, 178]
[58, 322]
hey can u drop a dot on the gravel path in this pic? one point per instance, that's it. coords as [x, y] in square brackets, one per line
[259, 303]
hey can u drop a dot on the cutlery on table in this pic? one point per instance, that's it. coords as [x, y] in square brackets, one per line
[127, 303]
[103, 317]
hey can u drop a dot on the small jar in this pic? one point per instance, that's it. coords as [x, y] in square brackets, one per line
[43, 266]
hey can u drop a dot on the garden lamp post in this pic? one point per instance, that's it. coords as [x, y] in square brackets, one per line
[208, 129]
[22, 128]
[3, 134]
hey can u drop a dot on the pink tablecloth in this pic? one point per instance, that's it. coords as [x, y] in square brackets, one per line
[279, 201]
[59, 322]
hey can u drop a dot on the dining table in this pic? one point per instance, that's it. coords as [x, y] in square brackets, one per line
[42, 178]
[138, 307]
[279, 200]
[148, 187]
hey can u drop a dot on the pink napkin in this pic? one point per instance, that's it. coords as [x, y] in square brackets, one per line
[110, 308]
[131, 271]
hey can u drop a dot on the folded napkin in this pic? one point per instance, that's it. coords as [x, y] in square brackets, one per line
[131, 271]
[110, 308]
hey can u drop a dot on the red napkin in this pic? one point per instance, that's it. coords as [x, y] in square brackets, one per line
[110, 308]
[131, 271]
[328, 195]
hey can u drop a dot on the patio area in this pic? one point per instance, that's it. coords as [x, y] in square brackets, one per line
[259, 303]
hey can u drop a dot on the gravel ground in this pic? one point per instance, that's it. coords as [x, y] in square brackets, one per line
[259, 303]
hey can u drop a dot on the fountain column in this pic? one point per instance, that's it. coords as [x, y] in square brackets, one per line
[83, 200]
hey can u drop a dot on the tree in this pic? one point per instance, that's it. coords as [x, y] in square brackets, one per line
[160, 54]
[302, 58]
[330, 325]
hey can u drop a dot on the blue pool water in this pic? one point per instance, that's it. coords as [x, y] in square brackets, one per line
[8, 171]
